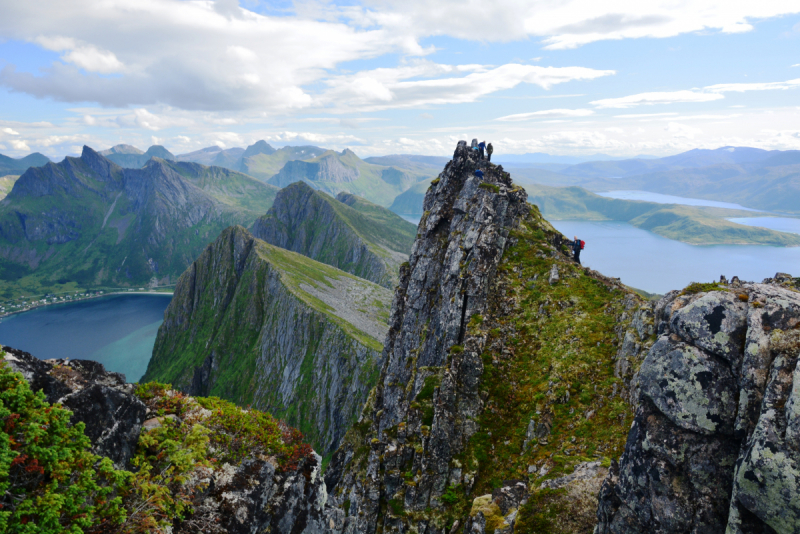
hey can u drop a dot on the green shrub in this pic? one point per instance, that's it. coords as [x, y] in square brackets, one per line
[489, 187]
[451, 495]
[698, 287]
[49, 481]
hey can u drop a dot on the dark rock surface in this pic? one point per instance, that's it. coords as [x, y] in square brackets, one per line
[113, 415]
[714, 446]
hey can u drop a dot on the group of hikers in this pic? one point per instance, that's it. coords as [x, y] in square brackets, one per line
[481, 147]
[576, 245]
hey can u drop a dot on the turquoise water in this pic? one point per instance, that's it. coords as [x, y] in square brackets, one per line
[670, 199]
[782, 224]
[118, 331]
[656, 264]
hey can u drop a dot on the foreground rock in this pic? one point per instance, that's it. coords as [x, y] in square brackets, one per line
[225, 491]
[715, 445]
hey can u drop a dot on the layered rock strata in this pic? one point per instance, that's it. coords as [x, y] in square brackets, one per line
[262, 326]
[714, 446]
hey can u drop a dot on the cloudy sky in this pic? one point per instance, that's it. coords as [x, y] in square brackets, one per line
[576, 77]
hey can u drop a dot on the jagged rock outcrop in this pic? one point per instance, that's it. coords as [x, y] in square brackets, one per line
[447, 281]
[496, 383]
[714, 445]
[101, 400]
[89, 221]
[263, 326]
[369, 242]
[253, 494]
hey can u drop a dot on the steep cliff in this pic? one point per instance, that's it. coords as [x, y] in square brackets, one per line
[87, 222]
[263, 326]
[506, 369]
[349, 233]
[181, 464]
[715, 445]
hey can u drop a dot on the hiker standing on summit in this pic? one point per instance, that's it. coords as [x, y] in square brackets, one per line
[489, 150]
[481, 148]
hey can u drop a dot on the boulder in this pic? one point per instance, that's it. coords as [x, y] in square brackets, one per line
[715, 443]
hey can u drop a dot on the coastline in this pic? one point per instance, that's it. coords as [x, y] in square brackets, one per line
[9, 313]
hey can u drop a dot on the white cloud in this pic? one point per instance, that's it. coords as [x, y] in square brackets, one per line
[654, 98]
[9, 131]
[796, 65]
[742, 87]
[85, 56]
[682, 131]
[402, 87]
[546, 114]
[640, 115]
[19, 145]
[568, 23]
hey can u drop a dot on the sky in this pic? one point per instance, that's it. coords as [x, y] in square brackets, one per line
[567, 77]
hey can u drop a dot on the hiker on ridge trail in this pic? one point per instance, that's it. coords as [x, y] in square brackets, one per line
[577, 245]
[481, 148]
[489, 150]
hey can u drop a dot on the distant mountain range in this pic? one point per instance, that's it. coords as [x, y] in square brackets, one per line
[131, 157]
[18, 166]
[88, 222]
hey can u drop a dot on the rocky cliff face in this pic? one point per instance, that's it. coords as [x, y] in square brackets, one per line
[224, 492]
[715, 445]
[89, 221]
[498, 376]
[263, 326]
[321, 227]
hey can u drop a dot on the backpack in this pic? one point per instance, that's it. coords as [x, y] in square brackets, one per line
[583, 244]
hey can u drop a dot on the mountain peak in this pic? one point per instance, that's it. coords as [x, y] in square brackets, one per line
[259, 147]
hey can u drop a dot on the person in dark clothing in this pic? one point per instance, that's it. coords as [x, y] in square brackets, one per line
[576, 250]
[481, 148]
[489, 150]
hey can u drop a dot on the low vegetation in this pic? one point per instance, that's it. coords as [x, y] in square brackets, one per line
[50, 482]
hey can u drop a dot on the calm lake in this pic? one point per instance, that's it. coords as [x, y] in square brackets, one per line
[656, 264]
[658, 198]
[118, 331]
[782, 224]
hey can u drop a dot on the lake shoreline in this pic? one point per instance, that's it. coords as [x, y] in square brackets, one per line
[8, 314]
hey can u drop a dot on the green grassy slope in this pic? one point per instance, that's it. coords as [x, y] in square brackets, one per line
[6, 183]
[355, 235]
[235, 189]
[409, 202]
[690, 224]
[377, 224]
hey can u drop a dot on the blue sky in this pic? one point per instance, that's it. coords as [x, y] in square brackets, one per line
[575, 77]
